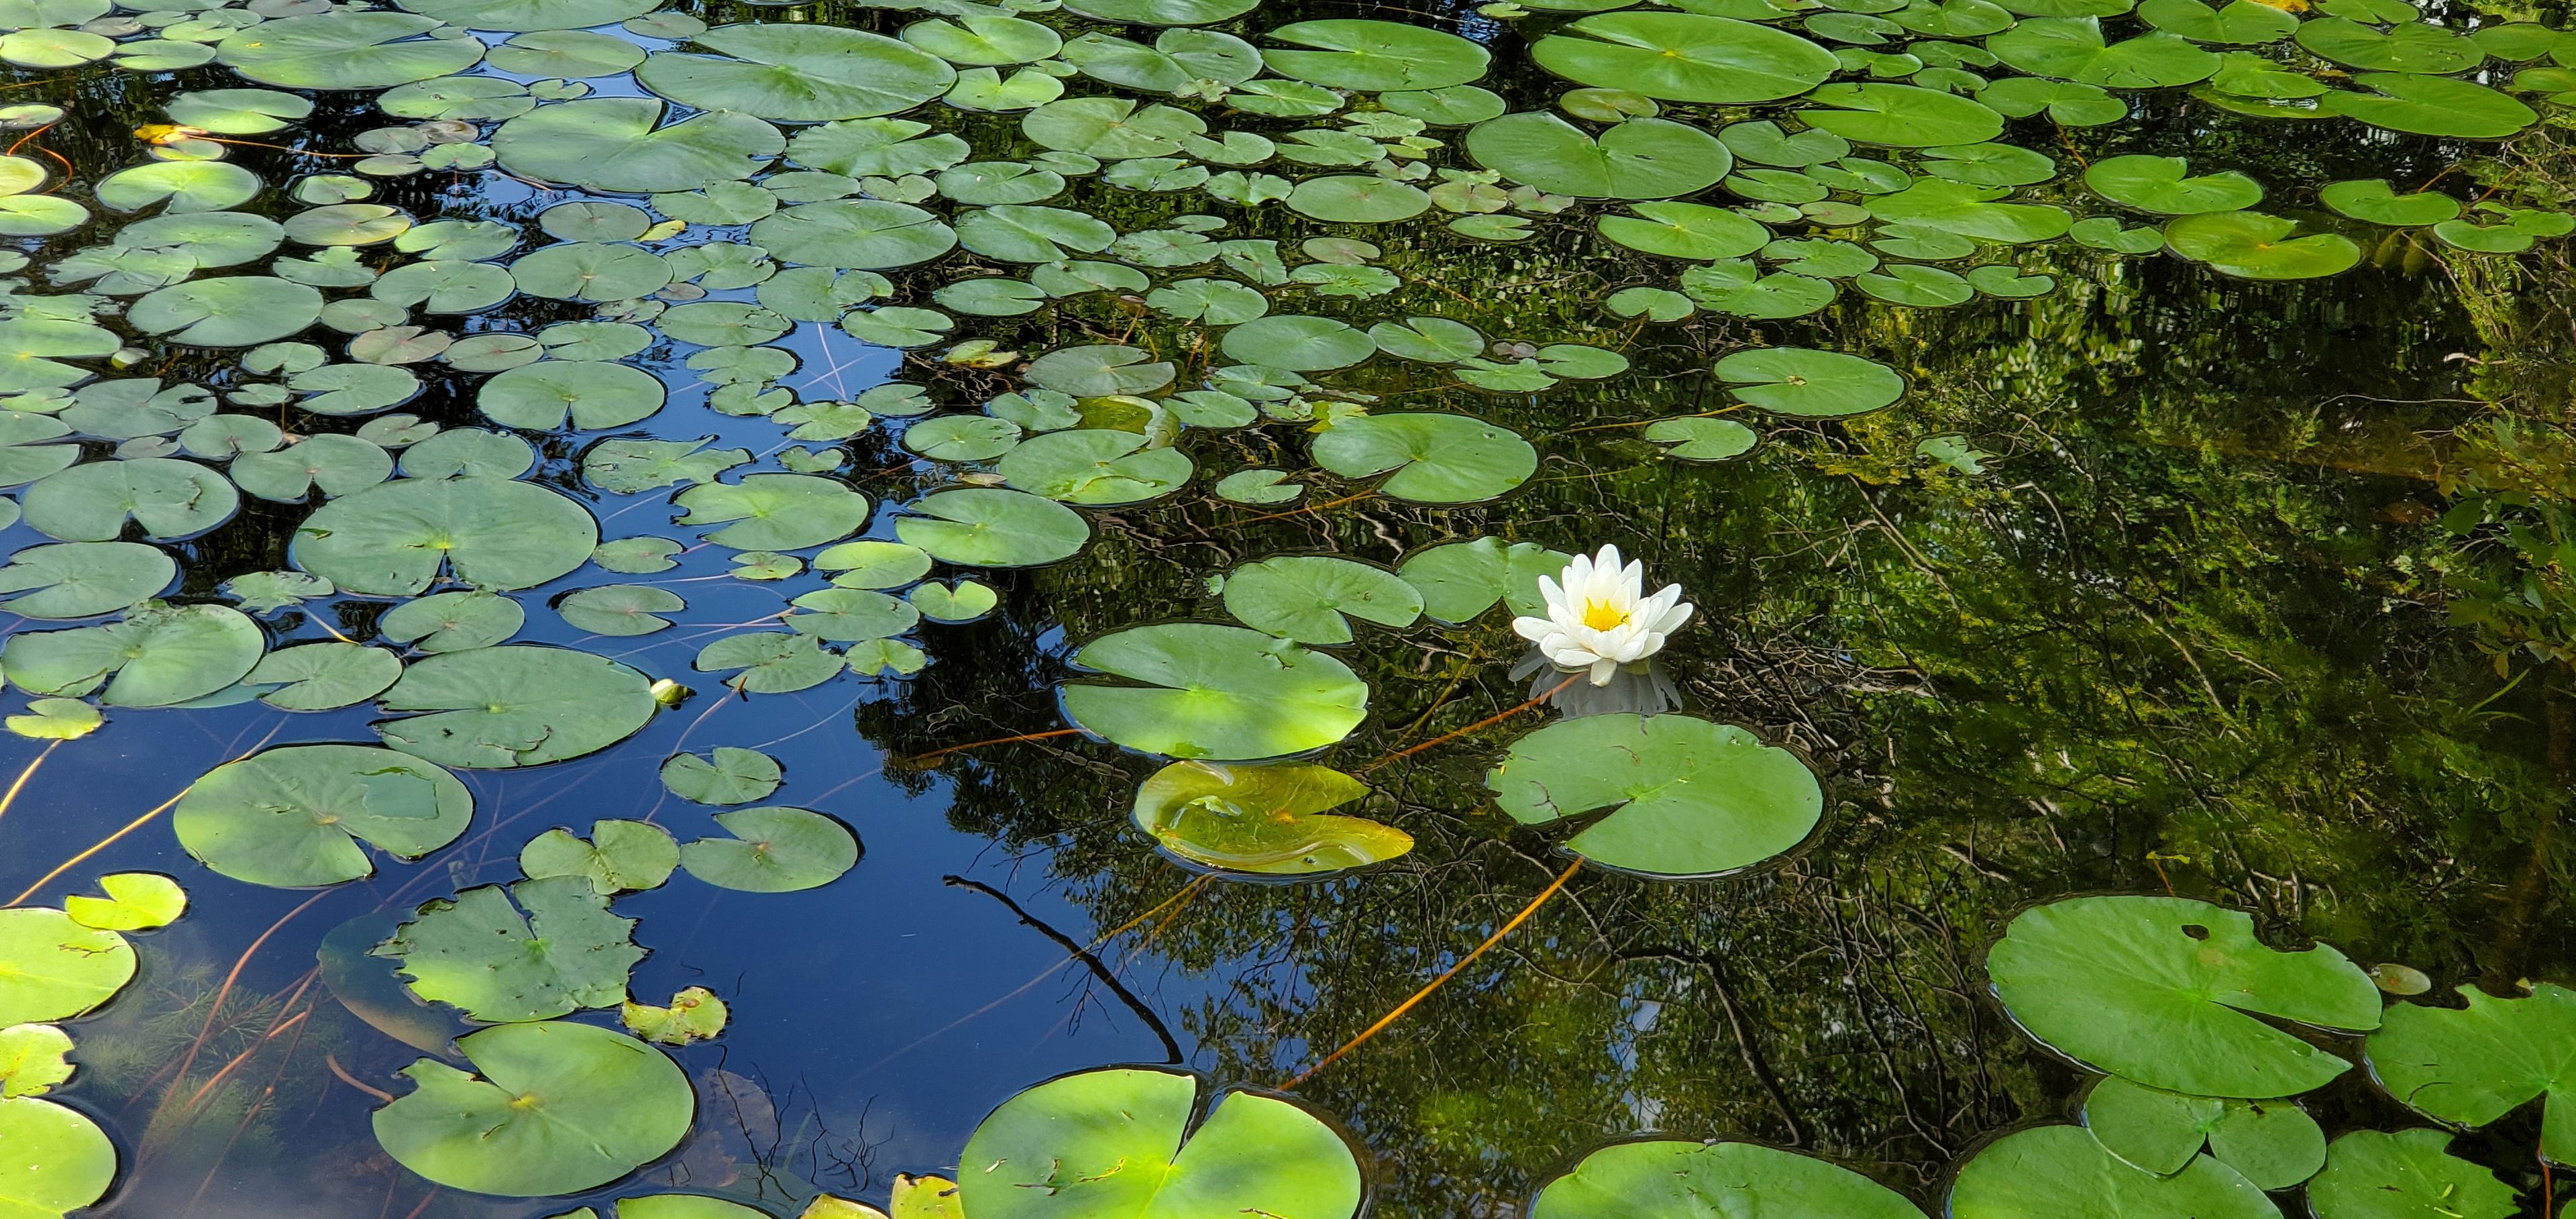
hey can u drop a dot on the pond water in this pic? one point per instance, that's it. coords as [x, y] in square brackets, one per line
[718, 609]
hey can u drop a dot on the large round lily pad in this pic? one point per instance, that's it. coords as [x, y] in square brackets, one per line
[58, 1161]
[798, 72]
[2159, 990]
[775, 511]
[81, 579]
[56, 969]
[2252, 245]
[772, 850]
[2060, 1172]
[158, 656]
[1120, 1144]
[1312, 598]
[2406, 1175]
[393, 539]
[557, 1108]
[521, 16]
[1639, 159]
[1902, 116]
[1216, 692]
[618, 144]
[1374, 55]
[1688, 797]
[294, 817]
[1434, 459]
[1685, 57]
[345, 50]
[590, 394]
[1805, 381]
[516, 705]
[993, 527]
[227, 311]
[1673, 1179]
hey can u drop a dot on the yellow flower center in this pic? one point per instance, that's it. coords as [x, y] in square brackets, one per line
[1602, 615]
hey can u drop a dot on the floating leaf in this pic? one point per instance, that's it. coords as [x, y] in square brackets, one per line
[57, 969]
[800, 73]
[593, 395]
[1901, 115]
[183, 186]
[1435, 459]
[2251, 245]
[2373, 200]
[2060, 1172]
[992, 527]
[1215, 692]
[620, 609]
[2430, 105]
[293, 817]
[324, 676]
[1804, 381]
[771, 662]
[775, 511]
[1685, 57]
[135, 901]
[560, 1108]
[32, 1060]
[158, 656]
[2159, 184]
[1688, 797]
[617, 144]
[59, 1161]
[2072, 48]
[227, 311]
[83, 579]
[1311, 598]
[346, 50]
[1375, 55]
[854, 234]
[494, 533]
[1686, 230]
[480, 954]
[1120, 1142]
[695, 1014]
[1461, 580]
[2157, 990]
[727, 776]
[2406, 1175]
[1643, 158]
[2274, 1143]
[2470, 1066]
[1672, 1179]
[453, 622]
[516, 705]
[1270, 820]
[772, 850]
[56, 719]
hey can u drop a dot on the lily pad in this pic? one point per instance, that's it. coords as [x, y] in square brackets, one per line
[324, 676]
[227, 311]
[2274, 1143]
[559, 1108]
[775, 511]
[1644, 158]
[1214, 692]
[2470, 1066]
[294, 817]
[1121, 1143]
[620, 609]
[854, 234]
[1685, 57]
[726, 776]
[1673, 1179]
[993, 527]
[82, 579]
[556, 951]
[2060, 1172]
[524, 15]
[395, 538]
[1902, 116]
[1811, 383]
[1357, 199]
[135, 901]
[592, 395]
[2405, 1175]
[2430, 105]
[1434, 459]
[619, 144]
[59, 1161]
[797, 73]
[2251, 245]
[57, 969]
[1269, 820]
[2158, 991]
[1461, 580]
[2072, 48]
[1298, 343]
[2160, 184]
[158, 656]
[453, 622]
[346, 50]
[2373, 200]
[1688, 797]
[1374, 55]
[1312, 598]
[772, 850]
[516, 705]
[1686, 230]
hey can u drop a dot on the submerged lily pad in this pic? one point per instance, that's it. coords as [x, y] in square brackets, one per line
[516, 705]
[1120, 1142]
[2158, 990]
[1688, 797]
[395, 538]
[556, 951]
[1215, 692]
[2469, 1066]
[772, 850]
[1673, 1179]
[1270, 820]
[558, 1108]
[294, 817]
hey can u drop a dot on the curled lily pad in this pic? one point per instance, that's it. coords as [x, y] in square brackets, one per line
[1271, 820]
[1433, 459]
[1674, 1179]
[555, 951]
[1215, 692]
[158, 656]
[558, 1108]
[515, 705]
[2158, 990]
[695, 1014]
[57, 969]
[395, 538]
[294, 817]
[1685, 57]
[800, 73]
[1121, 1141]
[1688, 797]
[772, 850]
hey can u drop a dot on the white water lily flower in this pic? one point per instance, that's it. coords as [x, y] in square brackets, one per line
[1599, 616]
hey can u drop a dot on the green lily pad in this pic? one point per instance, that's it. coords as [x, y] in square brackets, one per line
[1700, 439]
[2408, 47]
[592, 395]
[2060, 1172]
[159, 655]
[2373, 200]
[2072, 48]
[1311, 598]
[1357, 199]
[453, 622]
[346, 50]
[515, 705]
[1298, 343]
[1375, 55]
[2405, 1175]
[620, 609]
[1267, 820]
[2471, 1066]
[559, 1108]
[1902, 116]
[293, 817]
[802, 73]
[2274, 1143]
[1026, 233]
[1216, 692]
[395, 538]
[984, 40]
[2251, 245]
[725, 776]
[1121, 1142]
[993, 527]
[2159, 184]
[619, 857]
[84, 579]
[1461, 580]
[769, 662]
[1803, 381]
[557, 951]
[590, 271]
[1176, 60]
[33, 1058]
[1685, 57]
[628, 467]
[1686, 230]
[850, 615]
[228, 311]
[964, 601]
[30, 345]
[772, 850]
[324, 676]
[1688, 797]
[55, 719]
[59, 1161]
[1094, 466]
[1434, 459]
[1164, 12]
[1099, 371]
[1642, 158]
[1673, 1179]
[695, 1014]
[619, 144]
[2235, 23]
[2157, 990]
[523, 15]
[854, 234]
[185, 186]
[57, 969]
[2430, 105]
[135, 901]
[775, 511]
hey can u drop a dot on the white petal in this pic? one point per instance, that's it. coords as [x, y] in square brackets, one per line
[1533, 629]
[1602, 671]
[1672, 619]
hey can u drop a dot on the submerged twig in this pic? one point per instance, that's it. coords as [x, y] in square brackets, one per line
[1099, 968]
[1486, 722]
[24, 775]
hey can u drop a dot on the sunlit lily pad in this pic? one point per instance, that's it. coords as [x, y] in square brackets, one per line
[33, 1058]
[728, 775]
[57, 969]
[1461, 580]
[558, 1108]
[2157, 990]
[2252, 245]
[1434, 459]
[2072, 48]
[514, 706]
[798, 73]
[227, 311]
[324, 676]
[555, 951]
[346, 50]
[2160, 184]
[135, 901]
[1121, 1142]
[772, 850]
[1672, 1179]
[1900, 115]
[2060, 1172]
[1685, 57]
[1270, 820]
[2274, 1143]
[1214, 692]
[523, 15]
[395, 538]
[1804, 381]
[618, 144]
[775, 511]
[2470, 1066]
[854, 234]
[1374, 55]
[82, 579]
[992, 527]
[157, 656]
[1312, 598]
[1688, 797]
[2406, 1175]
[59, 1161]
[1639, 159]
[294, 817]
[592, 395]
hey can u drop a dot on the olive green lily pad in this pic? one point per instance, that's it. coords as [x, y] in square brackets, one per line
[294, 817]
[1644, 158]
[1433, 459]
[1673, 1179]
[2158, 991]
[772, 850]
[798, 73]
[1685, 57]
[159, 655]
[83, 579]
[1804, 381]
[1121, 1142]
[993, 527]
[554, 952]
[346, 50]
[324, 676]
[1215, 692]
[1268, 820]
[559, 1108]
[57, 969]
[515, 705]
[1374, 55]
[726, 776]
[395, 538]
[775, 511]
[1688, 797]
[2373, 200]
[1311, 598]
[2406, 1175]
[2252, 245]
[619, 144]
[2161, 184]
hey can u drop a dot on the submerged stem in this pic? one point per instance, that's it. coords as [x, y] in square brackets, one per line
[1486, 722]
[919, 758]
[24, 775]
[1446, 974]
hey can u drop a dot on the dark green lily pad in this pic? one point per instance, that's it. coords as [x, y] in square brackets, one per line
[1311, 598]
[1685, 57]
[2473, 1065]
[1639, 159]
[2406, 1175]
[2251, 245]
[1434, 459]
